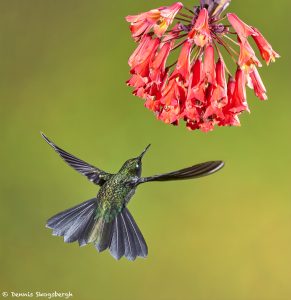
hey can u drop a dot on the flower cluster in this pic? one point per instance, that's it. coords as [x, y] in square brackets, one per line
[194, 88]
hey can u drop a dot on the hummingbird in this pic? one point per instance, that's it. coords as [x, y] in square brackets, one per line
[105, 219]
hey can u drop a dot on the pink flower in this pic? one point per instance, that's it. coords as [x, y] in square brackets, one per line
[140, 63]
[182, 69]
[239, 97]
[158, 64]
[209, 64]
[247, 56]
[191, 86]
[196, 88]
[159, 19]
[137, 56]
[167, 16]
[257, 84]
[242, 29]
[200, 31]
[219, 95]
[266, 50]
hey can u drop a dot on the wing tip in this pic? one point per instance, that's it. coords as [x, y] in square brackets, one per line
[45, 137]
[218, 164]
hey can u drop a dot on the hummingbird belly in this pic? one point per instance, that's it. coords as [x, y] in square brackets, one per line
[112, 199]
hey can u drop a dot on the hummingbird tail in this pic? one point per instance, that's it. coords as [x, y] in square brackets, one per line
[75, 224]
[127, 240]
[121, 236]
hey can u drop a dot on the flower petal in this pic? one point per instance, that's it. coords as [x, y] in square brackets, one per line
[266, 50]
[258, 84]
[209, 64]
[200, 32]
[242, 29]
[247, 56]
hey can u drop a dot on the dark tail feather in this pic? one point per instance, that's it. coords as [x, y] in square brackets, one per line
[141, 246]
[103, 235]
[127, 239]
[122, 236]
[75, 223]
[117, 243]
[83, 240]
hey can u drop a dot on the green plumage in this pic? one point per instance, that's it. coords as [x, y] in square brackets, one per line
[117, 191]
[105, 220]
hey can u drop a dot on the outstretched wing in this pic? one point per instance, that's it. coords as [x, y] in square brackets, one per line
[92, 173]
[196, 171]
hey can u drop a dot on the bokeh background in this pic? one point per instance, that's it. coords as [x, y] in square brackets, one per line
[63, 64]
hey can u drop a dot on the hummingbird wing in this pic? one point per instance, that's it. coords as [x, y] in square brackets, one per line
[94, 174]
[195, 171]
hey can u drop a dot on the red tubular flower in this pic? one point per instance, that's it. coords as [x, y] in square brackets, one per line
[230, 90]
[137, 56]
[266, 50]
[247, 56]
[183, 64]
[213, 111]
[158, 65]
[191, 111]
[219, 95]
[173, 100]
[239, 97]
[242, 29]
[209, 64]
[197, 73]
[159, 19]
[136, 81]
[170, 114]
[141, 66]
[194, 88]
[153, 105]
[230, 118]
[167, 16]
[174, 94]
[143, 23]
[258, 85]
[200, 31]
[220, 74]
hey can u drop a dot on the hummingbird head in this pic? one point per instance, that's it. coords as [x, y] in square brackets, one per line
[133, 166]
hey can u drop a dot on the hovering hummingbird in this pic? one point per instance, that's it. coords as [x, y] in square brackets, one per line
[105, 219]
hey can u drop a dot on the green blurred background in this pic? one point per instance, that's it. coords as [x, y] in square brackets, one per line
[63, 64]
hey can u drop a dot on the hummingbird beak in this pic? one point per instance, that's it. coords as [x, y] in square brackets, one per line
[144, 151]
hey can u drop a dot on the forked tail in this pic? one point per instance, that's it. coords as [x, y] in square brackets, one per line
[122, 236]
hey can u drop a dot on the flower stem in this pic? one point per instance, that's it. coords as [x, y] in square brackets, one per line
[186, 16]
[178, 45]
[231, 40]
[224, 44]
[170, 66]
[181, 19]
[196, 54]
[219, 20]
[174, 38]
[191, 11]
[220, 41]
